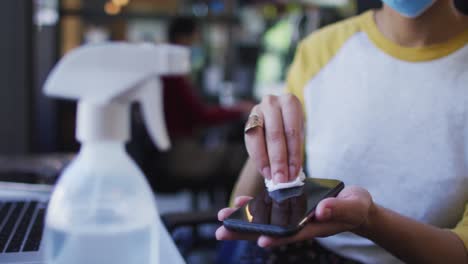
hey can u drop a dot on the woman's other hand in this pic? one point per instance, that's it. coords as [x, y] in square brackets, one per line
[351, 211]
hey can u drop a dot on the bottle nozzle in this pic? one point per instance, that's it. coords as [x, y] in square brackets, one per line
[110, 76]
[150, 97]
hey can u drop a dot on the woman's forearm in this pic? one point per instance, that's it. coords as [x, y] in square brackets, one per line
[412, 241]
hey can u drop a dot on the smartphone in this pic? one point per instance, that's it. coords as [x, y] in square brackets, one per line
[282, 212]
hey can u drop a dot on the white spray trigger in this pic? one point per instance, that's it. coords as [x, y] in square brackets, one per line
[107, 78]
[150, 97]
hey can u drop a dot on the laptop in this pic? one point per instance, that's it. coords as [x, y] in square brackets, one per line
[22, 212]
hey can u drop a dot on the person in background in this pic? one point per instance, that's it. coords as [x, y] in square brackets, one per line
[184, 109]
[190, 163]
[385, 98]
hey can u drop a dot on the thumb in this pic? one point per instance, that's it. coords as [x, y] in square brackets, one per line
[340, 210]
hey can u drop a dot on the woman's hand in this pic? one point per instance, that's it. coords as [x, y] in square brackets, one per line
[351, 211]
[277, 149]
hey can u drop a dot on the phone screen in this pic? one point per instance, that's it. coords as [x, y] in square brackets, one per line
[287, 208]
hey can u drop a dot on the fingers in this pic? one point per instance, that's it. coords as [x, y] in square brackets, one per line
[225, 213]
[351, 207]
[238, 202]
[256, 146]
[277, 149]
[309, 231]
[241, 200]
[267, 241]
[224, 234]
[275, 139]
[293, 131]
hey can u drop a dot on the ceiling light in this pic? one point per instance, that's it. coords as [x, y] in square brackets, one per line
[111, 9]
[120, 2]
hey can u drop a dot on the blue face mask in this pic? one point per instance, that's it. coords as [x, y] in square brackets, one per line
[410, 8]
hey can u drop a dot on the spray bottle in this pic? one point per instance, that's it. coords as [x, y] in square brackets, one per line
[102, 209]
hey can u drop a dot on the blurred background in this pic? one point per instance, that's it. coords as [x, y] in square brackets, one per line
[240, 51]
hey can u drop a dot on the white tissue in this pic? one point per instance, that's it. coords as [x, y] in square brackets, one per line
[299, 181]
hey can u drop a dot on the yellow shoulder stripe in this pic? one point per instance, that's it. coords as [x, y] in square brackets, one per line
[320, 47]
[411, 54]
[316, 51]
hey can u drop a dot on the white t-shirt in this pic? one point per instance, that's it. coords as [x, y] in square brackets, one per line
[390, 119]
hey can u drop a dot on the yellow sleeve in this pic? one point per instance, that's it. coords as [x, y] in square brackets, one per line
[297, 75]
[316, 51]
[462, 228]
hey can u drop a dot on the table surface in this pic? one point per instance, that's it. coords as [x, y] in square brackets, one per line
[168, 252]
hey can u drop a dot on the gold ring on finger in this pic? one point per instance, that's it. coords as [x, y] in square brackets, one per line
[252, 122]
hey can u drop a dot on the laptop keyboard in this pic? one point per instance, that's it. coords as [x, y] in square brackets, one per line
[21, 225]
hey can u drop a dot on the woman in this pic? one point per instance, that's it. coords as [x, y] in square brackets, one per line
[386, 105]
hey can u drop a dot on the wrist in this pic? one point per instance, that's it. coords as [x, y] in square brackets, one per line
[367, 228]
